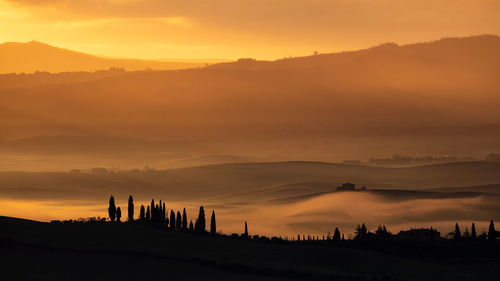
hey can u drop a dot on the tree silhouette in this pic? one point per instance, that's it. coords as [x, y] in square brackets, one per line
[163, 213]
[361, 232]
[118, 214]
[112, 209]
[142, 214]
[191, 228]
[148, 214]
[246, 230]
[130, 209]
[213, 227]
[473, 234]
[466, 233]
[336, 235]
[456, 234]
[178, 221]
[172, 219]
[184, 219]
[491, 232]
[152, 209]
[200, 225]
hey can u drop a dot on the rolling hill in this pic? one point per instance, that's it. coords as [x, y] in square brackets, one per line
[275, 179]
[36, 56]
[81, 250]
[444, 87]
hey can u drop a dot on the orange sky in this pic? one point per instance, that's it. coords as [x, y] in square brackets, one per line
[264, 29]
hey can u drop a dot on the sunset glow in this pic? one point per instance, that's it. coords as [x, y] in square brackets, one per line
[157, 29]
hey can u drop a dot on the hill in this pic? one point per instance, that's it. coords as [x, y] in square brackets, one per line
[282, 198]
[102, 251]
[214, 181]
[36, 56]
[443, 88]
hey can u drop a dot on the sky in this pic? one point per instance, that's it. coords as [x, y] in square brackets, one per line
[262, 29]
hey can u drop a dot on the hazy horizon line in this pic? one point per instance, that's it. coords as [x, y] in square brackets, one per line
[230, 59]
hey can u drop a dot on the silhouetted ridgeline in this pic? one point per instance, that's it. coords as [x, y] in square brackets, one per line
[413, 242]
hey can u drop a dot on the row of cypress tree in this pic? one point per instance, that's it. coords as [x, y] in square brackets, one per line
[157, 213]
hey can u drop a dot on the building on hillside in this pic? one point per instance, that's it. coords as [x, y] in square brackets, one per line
[419, 234]
[346, 186]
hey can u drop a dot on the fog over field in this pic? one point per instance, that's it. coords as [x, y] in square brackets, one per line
[284, 198]
[261, 141]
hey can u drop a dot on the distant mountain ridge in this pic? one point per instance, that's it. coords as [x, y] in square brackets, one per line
[386, 90]
[36, 56]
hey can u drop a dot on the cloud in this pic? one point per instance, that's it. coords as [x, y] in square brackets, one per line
[287, 26]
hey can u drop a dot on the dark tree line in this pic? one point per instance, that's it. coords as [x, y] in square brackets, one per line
[156, 213]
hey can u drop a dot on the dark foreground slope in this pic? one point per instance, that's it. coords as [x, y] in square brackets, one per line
[32, 250]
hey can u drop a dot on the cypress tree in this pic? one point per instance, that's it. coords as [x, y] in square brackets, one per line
[336, 235]
[364, 231]
[184, 219]
[152, 209]
[491, 232]
[163, 213]
[157, 213]
[148, 214]
[191, 228]
[172, 219]
[466, 234]
[457, 234]
[357, 232]
[112, 209]
[142, 214]
[246, 230]
[118, 214]
[178, 221]
[473, 234]
[130, 209]
[200, 226]
[213, 227]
